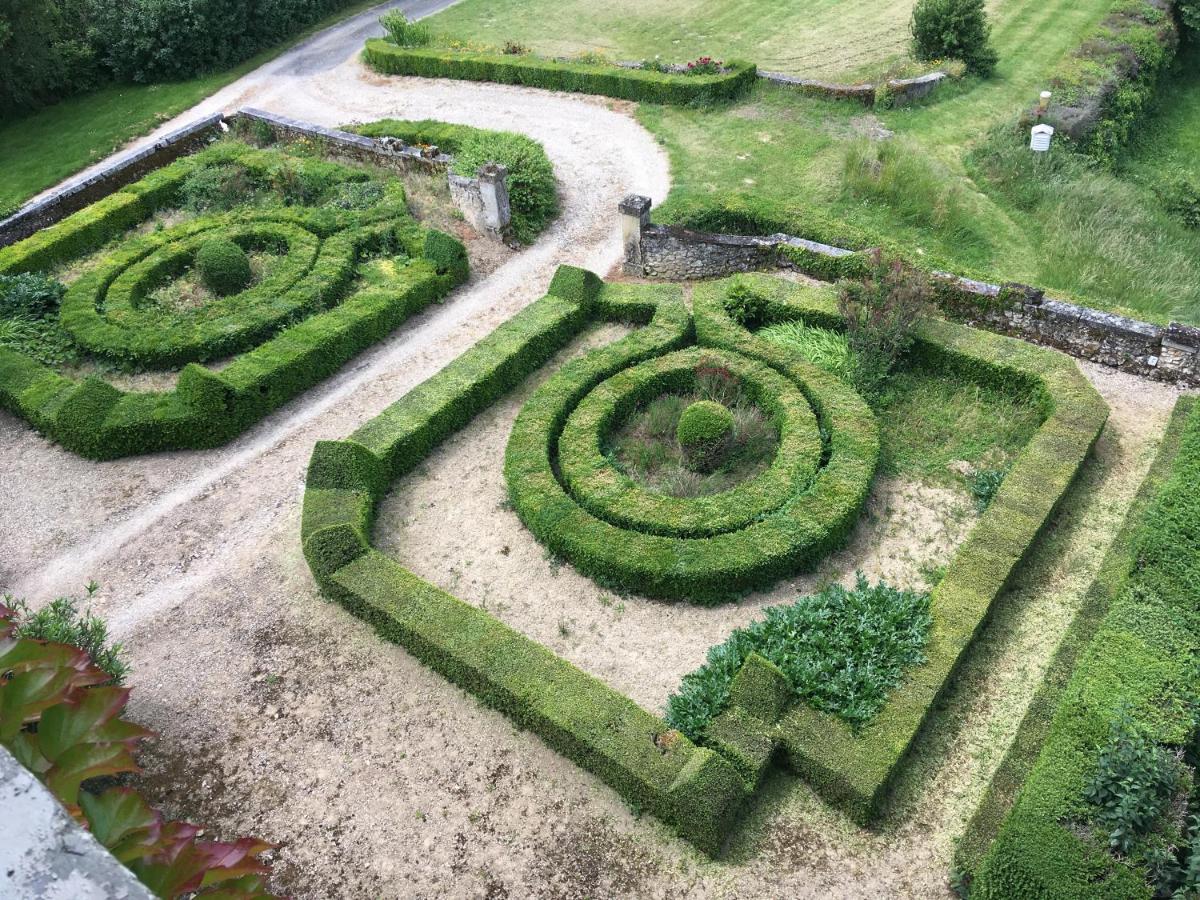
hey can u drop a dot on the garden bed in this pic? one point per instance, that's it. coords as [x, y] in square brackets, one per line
[318, 260]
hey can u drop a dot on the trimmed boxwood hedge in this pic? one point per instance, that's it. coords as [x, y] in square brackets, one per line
[854, 770]
[578, 77]
[208, 408]
[1141, 659]
[696, 790]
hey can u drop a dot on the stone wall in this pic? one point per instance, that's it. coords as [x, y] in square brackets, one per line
[122, 170]
[45, 854]
[1165, 353]
[900, 91]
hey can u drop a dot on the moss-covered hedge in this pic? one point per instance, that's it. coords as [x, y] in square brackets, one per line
[584, 78]
[855, 769]
[309, 293]
[1141, 658]
[693, 789]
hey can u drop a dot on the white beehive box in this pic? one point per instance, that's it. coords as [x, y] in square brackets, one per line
[1039, 138]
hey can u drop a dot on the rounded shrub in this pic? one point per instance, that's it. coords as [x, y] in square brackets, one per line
[703, 432]
[224, 267]
[954, 29]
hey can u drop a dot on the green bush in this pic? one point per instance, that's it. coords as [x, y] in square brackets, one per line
[580, 77]
[216, 189]
[402, 32]
[703, 432]
[532, 191]
[841, 651]
[954, 29]
[744, 304]
[29, 294]
[224, 267]
[61, 622]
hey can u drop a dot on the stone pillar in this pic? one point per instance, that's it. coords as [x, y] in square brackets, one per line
[493, 190]
[635, 215]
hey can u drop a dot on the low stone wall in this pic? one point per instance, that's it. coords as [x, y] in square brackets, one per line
[1170, 353]
[45, 854]
[899, 91]
[122, 170]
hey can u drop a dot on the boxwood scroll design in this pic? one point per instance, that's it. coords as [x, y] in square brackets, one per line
[312, 290]
[698, 790]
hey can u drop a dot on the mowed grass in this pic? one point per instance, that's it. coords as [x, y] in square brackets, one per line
[820, 38]
[41, 149]
[926, 180]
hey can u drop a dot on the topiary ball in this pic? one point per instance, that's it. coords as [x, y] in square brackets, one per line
[703, 433]
[224, 267]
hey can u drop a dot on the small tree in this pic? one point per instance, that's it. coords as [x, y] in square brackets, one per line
[954, 29]
[881, 313]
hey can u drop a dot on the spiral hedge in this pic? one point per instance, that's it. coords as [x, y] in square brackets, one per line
[295, 327]
[698, 790]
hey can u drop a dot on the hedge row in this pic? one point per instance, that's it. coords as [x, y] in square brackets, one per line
[815, 514]
[692, 789]
[596, 484]
[855, 769]
[1142, 659]
[208, 408]
[1108, 85]
[584, 78]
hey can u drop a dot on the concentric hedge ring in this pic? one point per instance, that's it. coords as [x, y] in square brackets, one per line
[593, 480]
[622, 535]
[105, 313]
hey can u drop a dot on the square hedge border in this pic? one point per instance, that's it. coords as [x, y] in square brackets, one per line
[207, 408]
[696, 790]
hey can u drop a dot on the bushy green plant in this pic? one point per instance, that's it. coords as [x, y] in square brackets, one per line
[216, 188]
[745, 305]
[954, 29]
[357, 195]
[842, 651]
[61, 622]
[881, 314]
[1133, 785]
[1189, 12]
[402, 32]
[984, 483]
[703, 433]
[821, 346]
[224, 267]
[532, 190]
[29, 294]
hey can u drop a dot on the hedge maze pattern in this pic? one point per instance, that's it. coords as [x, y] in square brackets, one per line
[304, 319]
[698, 790]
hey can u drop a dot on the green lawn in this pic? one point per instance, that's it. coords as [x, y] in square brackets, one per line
[821, 38]
[41, 149]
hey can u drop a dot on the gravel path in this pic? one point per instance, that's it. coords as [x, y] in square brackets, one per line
[283, 716]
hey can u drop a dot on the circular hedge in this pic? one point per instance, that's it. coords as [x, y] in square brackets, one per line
[703, 432]
[704, 549]
[223, 266]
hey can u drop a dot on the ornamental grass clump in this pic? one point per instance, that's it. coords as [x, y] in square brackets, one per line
[842, 651]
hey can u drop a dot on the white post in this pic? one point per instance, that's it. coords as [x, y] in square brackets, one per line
[493, 191]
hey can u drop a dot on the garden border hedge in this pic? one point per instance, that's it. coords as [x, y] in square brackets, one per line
[583, 78]
[855, 770]
[208, 408]
[694, 789]
[1138, 656]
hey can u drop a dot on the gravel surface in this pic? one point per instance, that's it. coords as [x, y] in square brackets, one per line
[281, 715]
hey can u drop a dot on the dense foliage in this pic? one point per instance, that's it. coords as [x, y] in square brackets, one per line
[703, 432]
[61, 622]
[842, 651]
[61, 718]
[954, 29]
[51, 48]
[402, 32]
[224, 267]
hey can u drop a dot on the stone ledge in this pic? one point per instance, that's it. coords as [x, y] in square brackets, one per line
[46, 855]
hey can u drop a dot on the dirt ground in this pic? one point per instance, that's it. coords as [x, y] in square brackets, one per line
[450, 522]
[281, 715]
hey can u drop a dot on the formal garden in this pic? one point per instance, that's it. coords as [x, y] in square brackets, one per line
[457, 520]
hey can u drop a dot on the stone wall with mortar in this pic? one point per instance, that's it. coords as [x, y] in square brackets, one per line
[122, 170]
[1168, 353]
